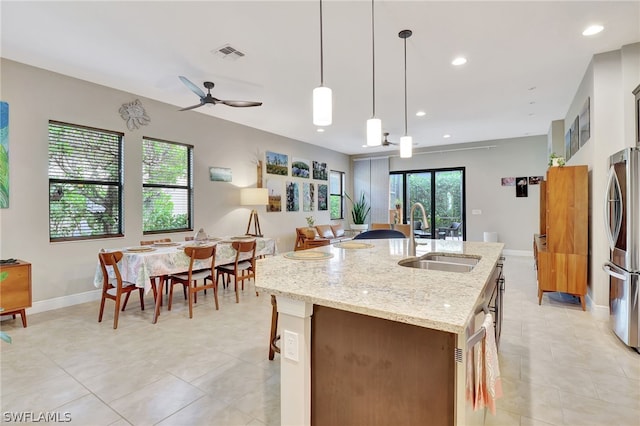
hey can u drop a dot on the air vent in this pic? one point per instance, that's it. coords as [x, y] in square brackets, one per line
[228, 52]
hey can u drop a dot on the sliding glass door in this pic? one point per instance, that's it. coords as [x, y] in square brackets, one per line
[440, 191]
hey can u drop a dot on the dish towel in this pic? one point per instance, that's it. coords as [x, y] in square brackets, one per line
[488, 385]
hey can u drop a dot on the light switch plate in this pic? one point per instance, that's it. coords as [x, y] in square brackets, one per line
[291, 345]
[476, 211]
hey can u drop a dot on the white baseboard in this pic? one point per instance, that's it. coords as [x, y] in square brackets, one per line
[508, 252]
[600, 312]
[64, 301]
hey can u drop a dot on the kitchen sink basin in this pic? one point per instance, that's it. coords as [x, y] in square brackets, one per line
[441, 262]
[451, 258]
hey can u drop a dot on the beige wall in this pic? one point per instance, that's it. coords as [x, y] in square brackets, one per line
[514, 219]
[36, 96]
[608, 81]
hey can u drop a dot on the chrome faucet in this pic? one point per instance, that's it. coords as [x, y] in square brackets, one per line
[412, 238]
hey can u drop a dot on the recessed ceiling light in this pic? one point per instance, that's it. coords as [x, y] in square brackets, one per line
[320, 130]
[446, 136]
[592, 30]
[421, 113]
[459, 61]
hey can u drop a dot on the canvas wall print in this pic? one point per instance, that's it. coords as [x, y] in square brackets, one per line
[567, 145]
[300, 168]
[585, 122]
[320, 171]
[4, 155]
[522, 189]
[277, 164]
[219, 174]
[275, 195]
[508, 181]
[323, 199]
[308, 197]
[575, 144]
[292, 196]
[535, 180]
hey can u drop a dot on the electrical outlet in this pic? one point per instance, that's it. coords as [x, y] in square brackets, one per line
[476, 211]
[291, 345]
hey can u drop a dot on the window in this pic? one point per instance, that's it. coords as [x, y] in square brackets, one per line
[167, 186]
[85, 182]
[336, 195]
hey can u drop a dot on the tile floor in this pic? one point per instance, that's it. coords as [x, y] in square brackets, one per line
[560, 366]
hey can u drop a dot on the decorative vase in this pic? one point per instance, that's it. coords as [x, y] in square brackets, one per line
[360, 227]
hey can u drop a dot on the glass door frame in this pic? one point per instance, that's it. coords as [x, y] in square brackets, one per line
[432, 213]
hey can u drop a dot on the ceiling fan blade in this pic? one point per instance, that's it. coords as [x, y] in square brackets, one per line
[191, 107]
[195, 89]
[241, 104]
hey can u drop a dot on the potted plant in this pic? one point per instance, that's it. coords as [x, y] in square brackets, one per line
[556, 161]
[398, 204]
[359, 213]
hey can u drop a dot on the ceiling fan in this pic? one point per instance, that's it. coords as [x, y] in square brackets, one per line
[386, 142]
[208, 99]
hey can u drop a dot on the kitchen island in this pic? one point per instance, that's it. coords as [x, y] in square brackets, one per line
[367, 341]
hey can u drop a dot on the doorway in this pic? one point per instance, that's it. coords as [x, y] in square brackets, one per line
[440, 191]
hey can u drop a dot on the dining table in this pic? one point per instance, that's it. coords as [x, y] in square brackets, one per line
[140, 263]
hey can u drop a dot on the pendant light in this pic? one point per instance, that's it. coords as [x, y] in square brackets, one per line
[322, 102]
[406, 141]
[374, 125]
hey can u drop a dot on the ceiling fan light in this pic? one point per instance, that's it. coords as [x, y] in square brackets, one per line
[322, 106]
[374, 132]
[406, 147]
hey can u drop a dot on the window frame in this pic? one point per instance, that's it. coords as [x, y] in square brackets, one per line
[340, 194]
[119, 184]
[188, 187]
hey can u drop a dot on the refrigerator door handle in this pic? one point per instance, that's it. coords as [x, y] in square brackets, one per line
[612, 181]
[607, 267]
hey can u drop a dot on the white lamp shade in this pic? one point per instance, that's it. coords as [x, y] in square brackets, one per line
[254, 196]
[406, 146]
[322, 106]
[374, 132]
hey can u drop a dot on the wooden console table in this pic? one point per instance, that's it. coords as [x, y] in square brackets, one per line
[15, 289]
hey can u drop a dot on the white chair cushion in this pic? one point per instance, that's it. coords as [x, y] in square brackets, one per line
[241, 266]
[196, 275]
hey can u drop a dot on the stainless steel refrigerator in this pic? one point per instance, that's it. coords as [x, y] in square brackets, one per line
[622, 217]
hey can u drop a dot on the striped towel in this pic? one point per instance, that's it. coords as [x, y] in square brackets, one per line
[488, 385]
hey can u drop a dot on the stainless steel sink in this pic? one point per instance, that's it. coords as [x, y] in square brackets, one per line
[451, 258]
[441, 262]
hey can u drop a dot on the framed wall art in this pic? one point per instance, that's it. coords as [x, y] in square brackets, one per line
[219, 174]
[292, 196]
[277, 164]
[300, 168]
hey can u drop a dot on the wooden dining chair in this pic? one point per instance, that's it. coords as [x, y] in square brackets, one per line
[240, 269]
[380, 226]
[154, 280]
[189, 279]
[114, 289]
[273, 334]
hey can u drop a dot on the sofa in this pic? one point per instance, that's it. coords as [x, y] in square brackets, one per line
[313, 236]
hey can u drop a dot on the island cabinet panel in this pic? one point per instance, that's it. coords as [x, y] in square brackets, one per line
[372, 371]
[562, 248]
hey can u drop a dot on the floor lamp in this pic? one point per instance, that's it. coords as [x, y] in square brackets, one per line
[254, 197]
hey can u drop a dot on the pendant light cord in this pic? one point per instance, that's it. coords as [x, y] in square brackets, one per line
[405, 87]
[321, 50]
[373, 56]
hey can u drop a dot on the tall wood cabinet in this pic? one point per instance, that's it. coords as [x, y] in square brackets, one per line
[15, 289]
[561, 248]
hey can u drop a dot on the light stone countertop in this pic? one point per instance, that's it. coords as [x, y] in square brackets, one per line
[369, 281]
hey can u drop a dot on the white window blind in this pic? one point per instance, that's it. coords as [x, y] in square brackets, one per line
[167, 186]
[85, 182]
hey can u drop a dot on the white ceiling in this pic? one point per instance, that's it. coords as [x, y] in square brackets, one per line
[512, 47]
